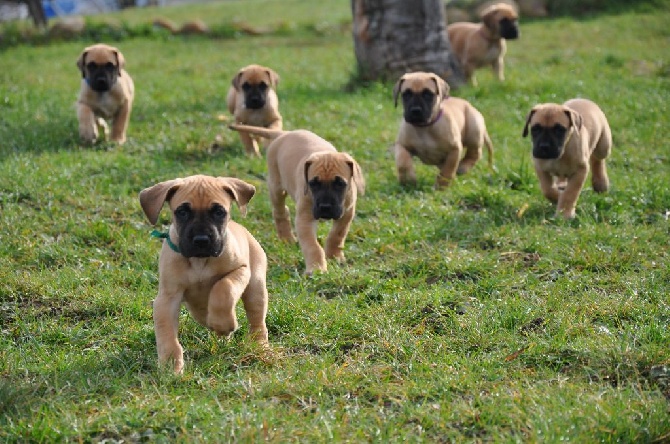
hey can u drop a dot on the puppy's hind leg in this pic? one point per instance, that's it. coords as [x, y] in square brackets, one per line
[255, 300]
[472, 155]
[599, 179]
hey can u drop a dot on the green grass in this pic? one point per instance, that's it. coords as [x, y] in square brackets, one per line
[469, 314]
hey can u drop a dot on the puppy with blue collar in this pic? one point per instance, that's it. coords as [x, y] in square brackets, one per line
[208, 262]
[106, 93]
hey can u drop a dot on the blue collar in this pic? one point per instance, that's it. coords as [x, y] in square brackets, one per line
[166, 236]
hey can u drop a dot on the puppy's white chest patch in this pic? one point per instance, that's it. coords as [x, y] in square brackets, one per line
[106, 106]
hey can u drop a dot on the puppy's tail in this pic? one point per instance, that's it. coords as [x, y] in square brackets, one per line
[257, 130]
[489, 148]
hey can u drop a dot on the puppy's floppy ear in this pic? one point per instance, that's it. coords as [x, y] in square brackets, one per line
[120, 61]
[308, 163]
[274, 78]
[396, 90]
[488, 17]
[530, 116]
[81, 62]
[574, 117]
[236, 79]
[442, 87]
[356, 173]
[153, 198]
[240, 191]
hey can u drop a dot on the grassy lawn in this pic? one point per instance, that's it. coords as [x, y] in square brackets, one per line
[469, 314]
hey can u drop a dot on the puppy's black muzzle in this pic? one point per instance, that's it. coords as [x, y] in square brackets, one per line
[415, 115]
[255, 101]
[100, 84]
[328, 198]
[255, 96]
[546, 151]
[327, 210]
[509, 29]
[201, 244]
[101, 78]
[548, 142]
[202, 233]
[418, 107]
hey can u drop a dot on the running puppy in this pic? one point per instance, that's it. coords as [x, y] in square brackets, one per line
[207, 262]
[106, 92]
[252, 100]
[437, 129]
[483, 44]
[568, 140]
[323, 183]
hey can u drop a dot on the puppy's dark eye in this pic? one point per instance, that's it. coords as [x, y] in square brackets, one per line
[182, 212]
[91, 65]
[246, 86]
[536, 130]
[314, 183]
[109, 66]
[407, 94]
[339, 183]
[262, 86]
[559, 130]
[427, 94]
[218, 212]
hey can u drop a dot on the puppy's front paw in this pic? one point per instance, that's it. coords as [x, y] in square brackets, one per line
[173, 355]
[336, 254]
[88, 136]
[287, 236]
[223, 325]
[442, 182]
[566, 213]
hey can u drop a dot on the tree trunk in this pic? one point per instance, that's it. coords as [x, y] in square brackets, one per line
[36, 11]
[392, 37]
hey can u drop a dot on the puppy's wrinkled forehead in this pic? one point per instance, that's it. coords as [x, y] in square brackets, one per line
[254, 77]
[502, 11]
[417, 84]
[507, 13]
[329, 166]
[101, 56]
[200, 195]
[550, 115]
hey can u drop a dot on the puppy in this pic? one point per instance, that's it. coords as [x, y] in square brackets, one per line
[437, 129]
[208, 261]
[253, 101]
[569, 139]
[323, 183]
[482, 44]
[106, 92]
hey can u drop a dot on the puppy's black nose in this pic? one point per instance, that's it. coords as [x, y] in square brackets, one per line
[415, 111]
[201, 241]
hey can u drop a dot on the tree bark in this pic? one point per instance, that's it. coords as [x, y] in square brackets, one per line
[392, 37]
[36, 11]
